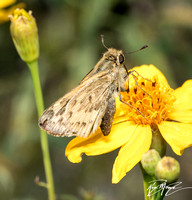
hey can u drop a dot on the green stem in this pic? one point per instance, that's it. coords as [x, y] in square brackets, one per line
[149, 181]
[33, 66]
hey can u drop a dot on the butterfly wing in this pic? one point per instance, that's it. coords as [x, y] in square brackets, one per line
[52, 117]
[79, 112]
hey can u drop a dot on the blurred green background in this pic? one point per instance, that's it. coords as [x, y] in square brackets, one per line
[70, 45]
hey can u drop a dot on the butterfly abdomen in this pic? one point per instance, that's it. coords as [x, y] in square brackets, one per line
[107, 119]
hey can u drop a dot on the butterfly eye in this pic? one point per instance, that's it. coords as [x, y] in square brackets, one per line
[121, 58]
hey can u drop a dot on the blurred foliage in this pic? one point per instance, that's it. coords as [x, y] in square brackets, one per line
[69, 33]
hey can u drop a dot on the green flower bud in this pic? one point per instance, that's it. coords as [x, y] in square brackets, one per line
[149, 161]
[158, 143]
[25, 35]
[168, 169]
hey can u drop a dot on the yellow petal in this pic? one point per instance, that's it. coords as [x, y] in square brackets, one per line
[120, 114]
[149, 72]
[97, 144]
[177, 135]
[6, 12]
[181, 116]
[5, 3]
[183, 96]
[120, 119]
[119, 111]
[130, 154]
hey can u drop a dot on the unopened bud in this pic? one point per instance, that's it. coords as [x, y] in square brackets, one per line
[168, 169]
[149, 161]
[25, 35]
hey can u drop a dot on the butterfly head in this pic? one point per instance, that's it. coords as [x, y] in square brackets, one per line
[115, 56]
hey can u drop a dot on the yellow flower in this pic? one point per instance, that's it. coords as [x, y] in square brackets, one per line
[163, 108]
[4, 13]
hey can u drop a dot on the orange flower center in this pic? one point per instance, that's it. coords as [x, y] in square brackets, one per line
[150, 102]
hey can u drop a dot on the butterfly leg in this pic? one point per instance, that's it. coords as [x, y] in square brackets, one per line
[131, 72]
[120, 98]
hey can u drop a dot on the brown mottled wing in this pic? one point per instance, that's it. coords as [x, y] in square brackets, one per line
[52, 118]
[79, 112]
[85, 110]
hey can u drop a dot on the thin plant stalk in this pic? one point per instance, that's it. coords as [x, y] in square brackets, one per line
[149, 181]
[33, 66]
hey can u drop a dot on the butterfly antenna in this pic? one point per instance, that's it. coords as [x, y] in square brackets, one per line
[102, 40]
[144, 47]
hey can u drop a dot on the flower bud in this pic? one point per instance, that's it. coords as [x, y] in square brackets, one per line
[158, 143]
[168, 169]
[25, 35]
[149, 161]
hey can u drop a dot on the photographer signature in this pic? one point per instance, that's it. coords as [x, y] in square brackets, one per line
[163, 186]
